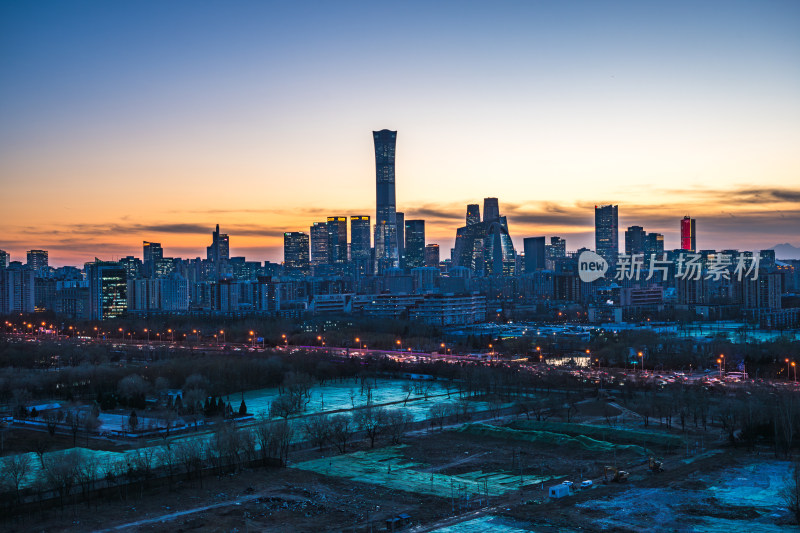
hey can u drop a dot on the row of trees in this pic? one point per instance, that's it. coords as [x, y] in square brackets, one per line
[230, 448]
[340, 429]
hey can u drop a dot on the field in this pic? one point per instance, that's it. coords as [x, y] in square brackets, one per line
[473, 477]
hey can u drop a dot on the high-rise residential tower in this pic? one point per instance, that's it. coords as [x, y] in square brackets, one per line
[5, 258]
[415, 243]
[688, 235]
[295, 253]
[386, 244]
[37, 259]
[606, 236]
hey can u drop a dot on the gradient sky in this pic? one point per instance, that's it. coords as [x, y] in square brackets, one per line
[130, 121]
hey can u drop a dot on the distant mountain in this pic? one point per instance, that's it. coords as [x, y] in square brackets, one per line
[786, 251]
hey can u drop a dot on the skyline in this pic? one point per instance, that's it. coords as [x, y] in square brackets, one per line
[124, 124]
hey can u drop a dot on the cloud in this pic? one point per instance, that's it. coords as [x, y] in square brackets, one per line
[740, 195]
[743, 217]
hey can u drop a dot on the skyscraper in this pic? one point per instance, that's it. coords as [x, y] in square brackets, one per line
[108, 290]
[688, 235]
[337, 240]
[5, 258]
[432, 255]
[635, 238]
[360, 245]
[485, 247]
[320, 244]
[17, 289]
[534, 254]
[415, 243]
[152, 253]
[37, 259]
[401, 237]
[295, 253]
[491, 209]
[386, 244]
[219, 251]
[654, 244]
[473, 214]
[606, 237]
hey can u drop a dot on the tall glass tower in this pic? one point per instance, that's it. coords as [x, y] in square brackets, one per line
[415, 244]
[386, 245]
[606, 233]
[688, 235]
[360, 244]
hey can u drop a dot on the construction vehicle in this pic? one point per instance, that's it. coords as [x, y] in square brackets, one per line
[612, 473]
[654, 465]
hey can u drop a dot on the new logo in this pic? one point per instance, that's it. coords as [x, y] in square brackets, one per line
[591, 266]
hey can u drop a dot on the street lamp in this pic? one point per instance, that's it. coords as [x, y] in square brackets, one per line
[787, 368]
[148, 335]
[285, 340]
[794, 367]
[171, 335]
[222, 332]
[719, 362]
[399, 343]
[722, 357]
[641, 358]
[252, 338]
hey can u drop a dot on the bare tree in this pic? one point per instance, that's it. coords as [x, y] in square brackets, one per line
[189, 453]
[341, 429]
[372, 421]
[40, 446]
[281, 437]
[86, 472]
[14, 470]
[437, 414]
[398, 422]
[284, 406]
[133, 389]
[74, 423]
[263, 433]
[169, 459]
[408, 389]
[61, 473]
[51, 420]
[90, 424]
[791, 492]
[465, 408]
[317, 429]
